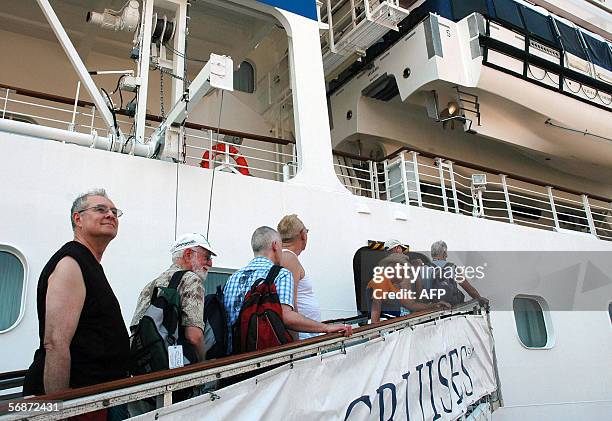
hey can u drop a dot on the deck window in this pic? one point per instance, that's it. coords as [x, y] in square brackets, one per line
[216, 277]
[570, 41]
[507, 11]
[530, 322]
[598, 51]
[539, 26]
[463, 8]
[12, 282]
[244, 78]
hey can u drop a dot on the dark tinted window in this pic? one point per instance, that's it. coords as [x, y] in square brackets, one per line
[570, 40]
[11, 289]
[507, 11]
[539, 26]
[530, 324]
[598, 51]
[463, 8]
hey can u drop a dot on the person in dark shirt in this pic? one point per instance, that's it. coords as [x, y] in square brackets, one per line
[83, 338]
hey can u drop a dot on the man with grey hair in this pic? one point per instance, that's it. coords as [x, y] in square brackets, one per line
[439, 258]
[191, 253]
[267, 247]
[83, 339]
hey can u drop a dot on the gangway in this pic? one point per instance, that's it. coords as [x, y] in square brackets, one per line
[421, 329]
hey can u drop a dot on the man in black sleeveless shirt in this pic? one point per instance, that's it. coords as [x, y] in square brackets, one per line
[83, 339]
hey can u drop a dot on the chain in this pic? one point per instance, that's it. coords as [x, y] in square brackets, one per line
[168, 72]
[161, 94]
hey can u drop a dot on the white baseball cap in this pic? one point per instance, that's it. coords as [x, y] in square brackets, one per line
[389, 244]
[189, 240]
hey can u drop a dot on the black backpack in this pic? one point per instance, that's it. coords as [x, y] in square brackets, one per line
[158, 329]
[215, 325]
[441, 278]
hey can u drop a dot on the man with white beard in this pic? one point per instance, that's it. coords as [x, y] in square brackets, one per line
[192, 253]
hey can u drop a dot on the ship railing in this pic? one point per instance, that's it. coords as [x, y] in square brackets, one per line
[160, 385]
[266, 156]
[423, 179]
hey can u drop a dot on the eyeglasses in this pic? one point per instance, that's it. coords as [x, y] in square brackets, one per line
[206, 254]
[103, 210]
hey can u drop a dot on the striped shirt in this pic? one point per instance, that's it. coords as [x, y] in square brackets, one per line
[241, 281]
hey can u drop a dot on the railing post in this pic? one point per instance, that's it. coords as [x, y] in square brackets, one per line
[371, 167]
[587, 210]
[404, 179]
[376, 181]
[453, 186]
[552, 206]
[93, 119]
[442, 185]
[5, 102]
[386, 170]
[74, 108]
[417, 182]
[507, 197]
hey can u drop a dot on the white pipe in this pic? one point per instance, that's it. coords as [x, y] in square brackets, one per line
[76, 61]
[60, 135]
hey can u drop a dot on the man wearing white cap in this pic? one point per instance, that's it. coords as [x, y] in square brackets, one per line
[395, 246]
[191, 252]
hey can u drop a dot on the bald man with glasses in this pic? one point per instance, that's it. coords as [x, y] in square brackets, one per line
[83, 338]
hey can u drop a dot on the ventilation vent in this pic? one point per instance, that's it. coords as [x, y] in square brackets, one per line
[384, 88]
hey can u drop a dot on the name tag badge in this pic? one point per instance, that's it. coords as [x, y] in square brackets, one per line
[175, 356]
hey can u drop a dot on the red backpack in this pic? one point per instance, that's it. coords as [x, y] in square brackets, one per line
[260, 323]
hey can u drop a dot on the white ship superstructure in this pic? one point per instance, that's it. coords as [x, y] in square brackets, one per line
[483, 123]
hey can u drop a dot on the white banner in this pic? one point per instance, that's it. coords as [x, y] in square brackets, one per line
[430, 373]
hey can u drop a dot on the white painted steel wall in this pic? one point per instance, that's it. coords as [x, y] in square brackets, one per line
[43, 177]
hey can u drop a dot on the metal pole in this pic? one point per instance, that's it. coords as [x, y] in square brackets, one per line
[552, 206]
[179, 45]
[77, 63]
[417, 181]
[386, 170]
[442, 185]
[144, 60]
[330, 23]
[5, 102]
[371, 177]
[93, 117]
[587, 210]
[453, 186]
[376, 186]
[74, 109]
[404, 179]
[507, 197]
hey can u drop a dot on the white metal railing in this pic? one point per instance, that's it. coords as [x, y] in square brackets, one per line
[440, 184]
[252, 157]
[243, 155]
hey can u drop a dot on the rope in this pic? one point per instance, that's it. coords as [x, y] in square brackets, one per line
[212, 166]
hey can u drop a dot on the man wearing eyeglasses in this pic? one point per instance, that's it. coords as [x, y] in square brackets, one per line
[191, 252]
[83, 339]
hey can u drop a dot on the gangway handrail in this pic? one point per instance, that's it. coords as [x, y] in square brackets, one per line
[206, 371]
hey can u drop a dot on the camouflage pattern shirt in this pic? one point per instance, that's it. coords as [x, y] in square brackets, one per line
[191, 292]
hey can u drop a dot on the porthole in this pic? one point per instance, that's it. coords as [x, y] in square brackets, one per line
[12, 287]
[533, 323]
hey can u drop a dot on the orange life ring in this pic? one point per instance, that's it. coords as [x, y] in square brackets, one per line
[219, 148]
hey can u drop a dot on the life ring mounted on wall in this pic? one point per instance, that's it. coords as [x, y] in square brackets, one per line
[241, 163]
